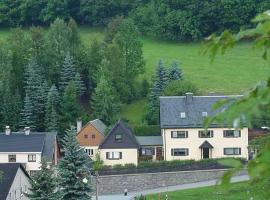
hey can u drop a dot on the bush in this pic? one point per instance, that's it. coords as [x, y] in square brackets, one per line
[180, 88]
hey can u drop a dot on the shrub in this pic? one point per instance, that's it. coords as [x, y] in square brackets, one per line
[180, 88]
[147, 130]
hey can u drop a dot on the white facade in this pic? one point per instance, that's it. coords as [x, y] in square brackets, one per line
[91, 151]
[22, 157]
[119, 156]
[20, 185]
[193, 142]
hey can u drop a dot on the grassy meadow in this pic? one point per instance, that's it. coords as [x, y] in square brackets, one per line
[233, 73]
[237, 191]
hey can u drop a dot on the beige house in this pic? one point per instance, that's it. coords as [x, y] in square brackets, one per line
[181, 121]
[120, 146]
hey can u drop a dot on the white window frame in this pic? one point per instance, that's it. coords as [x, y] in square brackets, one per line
[90, 152]
[204, 114]
[114, 155]
[183, 115]
[235, 151]
[177, 134]
[185, 150]
[9, 155]
[234, 134]
[32, 158]
[201, 132]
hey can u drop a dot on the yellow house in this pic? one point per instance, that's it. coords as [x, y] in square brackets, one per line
[184, 137]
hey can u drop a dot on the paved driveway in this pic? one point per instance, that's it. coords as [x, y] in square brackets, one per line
[169, 188]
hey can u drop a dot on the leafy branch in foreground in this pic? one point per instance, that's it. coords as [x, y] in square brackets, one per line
[242, 111]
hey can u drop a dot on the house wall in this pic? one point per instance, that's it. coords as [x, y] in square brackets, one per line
[95, 151]
[89, 130]
[23, 158]
[193, 142]
[20, 184]
[129, 156]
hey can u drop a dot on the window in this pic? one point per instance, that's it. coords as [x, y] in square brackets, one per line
[33, 172]
[113, 155]
[232, 151]
[85, 136]
[31, 157]
[232, 133]
[118, 137]
[182, 115]
[179, 152]
[206, 134]
[11, 158]
[204, 114]
[179, 134]
[93, 136]
[149, 151]
[90, 152]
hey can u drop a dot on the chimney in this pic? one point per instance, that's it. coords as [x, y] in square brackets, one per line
[7, 132]
[27, 130]
[189, 97]
[79, 124]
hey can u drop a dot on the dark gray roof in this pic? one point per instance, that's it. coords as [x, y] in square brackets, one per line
[43, 142]
[99, 125]
[206, 144]
[193, 106]
[129, 140]
[150, 140]
[9, 171]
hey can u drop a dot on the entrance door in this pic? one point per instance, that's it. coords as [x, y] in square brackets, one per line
[205, 152]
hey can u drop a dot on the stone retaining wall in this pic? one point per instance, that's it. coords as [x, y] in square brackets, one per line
[115, 184]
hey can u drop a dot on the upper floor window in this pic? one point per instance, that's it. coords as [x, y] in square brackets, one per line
[31, 157]
[179, 152]
[85, 136]
[182, 115]
[204, 114]
[232, 133]
[179, 134]
[113, 155]
[118, 137]
[93, 136]
[232, 151]
[12, 158]
[90, 152]
[206, 134]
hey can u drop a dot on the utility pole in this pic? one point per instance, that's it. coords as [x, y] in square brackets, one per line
[97, 185]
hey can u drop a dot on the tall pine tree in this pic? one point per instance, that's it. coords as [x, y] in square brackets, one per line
[27, 116]
[175, 72]
[73, 172]
[68, 72]
[105, 104]
[52, 109]
[43, 184]
[160, 81]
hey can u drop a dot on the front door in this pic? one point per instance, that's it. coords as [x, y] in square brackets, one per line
[205, 152]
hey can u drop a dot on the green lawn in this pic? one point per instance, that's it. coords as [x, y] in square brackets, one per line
[234, 73]
[237, 191]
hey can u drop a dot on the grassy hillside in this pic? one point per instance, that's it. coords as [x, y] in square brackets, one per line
[238, 191]
[234, 73]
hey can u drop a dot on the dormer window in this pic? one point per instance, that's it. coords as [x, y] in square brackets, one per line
[204, 114]
[182, 115]
[118, 137]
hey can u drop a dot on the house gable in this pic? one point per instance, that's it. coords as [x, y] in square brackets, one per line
[120, 137]
[90, 136]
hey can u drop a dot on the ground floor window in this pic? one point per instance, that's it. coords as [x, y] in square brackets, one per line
[113, 155]
[232, 151]
[33, 172]
[90, 152]
[179, 152]
[148, 151]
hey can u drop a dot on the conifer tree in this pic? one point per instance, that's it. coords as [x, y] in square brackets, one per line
[105, 104]
[52, 109]
[175, 72]
[43, 185]
[70, 107]
[73, 172]
[27, 117]
[68, 72]
[80, 87]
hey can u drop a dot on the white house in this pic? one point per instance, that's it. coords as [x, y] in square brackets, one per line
[184, 137]
[28, 148]
[14, 183]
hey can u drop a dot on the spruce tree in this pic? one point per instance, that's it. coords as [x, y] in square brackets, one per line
[43, 184]
[27, 117]
[80, 87]
[68, 72]
[73, 173]
[52, 109]
[105, 104]
[175, 72]
[70, 108]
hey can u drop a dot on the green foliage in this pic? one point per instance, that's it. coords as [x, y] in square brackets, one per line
[73, 170]
[180, 88]
[98, 163]
[147, 130]
[43, 184]
[105, 103]
[175, 72]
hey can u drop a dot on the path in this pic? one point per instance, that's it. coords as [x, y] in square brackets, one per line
[169, 188]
